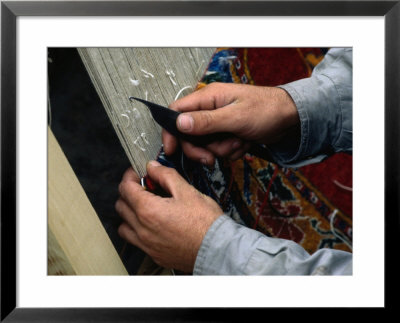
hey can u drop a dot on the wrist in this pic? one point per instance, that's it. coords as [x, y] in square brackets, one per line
[288, 108]
[290, 135]
[278, 117]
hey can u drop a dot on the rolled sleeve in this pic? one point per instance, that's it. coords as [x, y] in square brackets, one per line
[232, 249]
[324, 103]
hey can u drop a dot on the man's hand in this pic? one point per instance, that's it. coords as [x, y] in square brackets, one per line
[170, 230]
[251, 113]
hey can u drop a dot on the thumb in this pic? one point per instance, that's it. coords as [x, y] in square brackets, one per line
[209, 121]
[167, 178]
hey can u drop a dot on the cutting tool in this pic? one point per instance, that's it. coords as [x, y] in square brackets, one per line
[166, 118]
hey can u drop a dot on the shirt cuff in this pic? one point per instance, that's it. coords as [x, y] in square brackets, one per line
[324, 105]
[317, 125]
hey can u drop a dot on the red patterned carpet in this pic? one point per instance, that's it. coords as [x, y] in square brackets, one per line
[312, 205]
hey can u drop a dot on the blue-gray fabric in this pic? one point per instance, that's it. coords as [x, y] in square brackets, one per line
[324, 103]
[230, 248]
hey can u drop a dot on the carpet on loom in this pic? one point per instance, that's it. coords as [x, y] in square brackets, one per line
[311, 205]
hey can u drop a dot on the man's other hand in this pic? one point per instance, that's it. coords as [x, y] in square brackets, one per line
[170, 230]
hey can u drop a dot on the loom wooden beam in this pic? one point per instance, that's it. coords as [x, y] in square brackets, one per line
[77, 242]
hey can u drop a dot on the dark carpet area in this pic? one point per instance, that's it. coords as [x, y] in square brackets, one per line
[85, 134]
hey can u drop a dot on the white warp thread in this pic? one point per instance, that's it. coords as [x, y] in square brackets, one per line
[159, 75]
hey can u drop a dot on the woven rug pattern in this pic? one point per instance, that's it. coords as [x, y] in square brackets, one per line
[311, 205]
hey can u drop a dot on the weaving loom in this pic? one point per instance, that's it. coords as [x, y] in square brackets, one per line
[157, 74]
[311, 206]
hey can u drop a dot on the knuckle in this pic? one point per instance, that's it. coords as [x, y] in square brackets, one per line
[168, 174]
[121, 231]
[145, 216]
[141, 208]
[192, 153]
[221, 149]
[214, 85]
[121, 188]
[220, 153]
[126, 174]
[129, 172]
[144, 236]
[206, 120]
[118, 206]
[170, 171]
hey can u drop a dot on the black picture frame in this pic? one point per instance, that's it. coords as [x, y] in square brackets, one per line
[10, 10]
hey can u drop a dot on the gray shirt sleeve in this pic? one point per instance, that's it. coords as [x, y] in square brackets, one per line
[324, 103]
[232, 249]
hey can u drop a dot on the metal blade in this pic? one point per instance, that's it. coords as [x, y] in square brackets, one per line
[165, 117]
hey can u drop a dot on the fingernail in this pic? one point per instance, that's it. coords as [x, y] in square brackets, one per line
[203, 161]
[185, 122]
[154, 163]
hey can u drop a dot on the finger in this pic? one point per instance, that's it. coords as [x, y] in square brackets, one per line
[210, 97]
[128, 234]
[130, 175]
[229, 119]
[169, 141]
[168, 178]
[127, 214]
[226, 147]
[240, 152]
[199, 154]
[133, 193]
